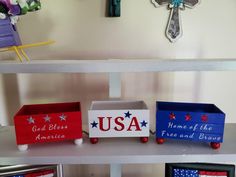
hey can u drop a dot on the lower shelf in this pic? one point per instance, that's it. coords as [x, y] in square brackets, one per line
[116, 151]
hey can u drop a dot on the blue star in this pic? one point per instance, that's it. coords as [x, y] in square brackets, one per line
[143, 123]
[94, 124]
[128, 114]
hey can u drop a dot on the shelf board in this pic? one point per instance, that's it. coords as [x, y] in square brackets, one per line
[117, 65]
[116, 151]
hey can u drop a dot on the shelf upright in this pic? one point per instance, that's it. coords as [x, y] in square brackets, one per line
[114, 93]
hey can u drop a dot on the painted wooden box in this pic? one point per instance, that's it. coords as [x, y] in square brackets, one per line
[118, 119]
[53, 122]
[190, 121]
[8, 34]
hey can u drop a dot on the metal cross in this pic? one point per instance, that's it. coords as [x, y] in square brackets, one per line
[174, 28]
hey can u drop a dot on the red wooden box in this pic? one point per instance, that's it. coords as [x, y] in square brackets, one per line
[48, 123]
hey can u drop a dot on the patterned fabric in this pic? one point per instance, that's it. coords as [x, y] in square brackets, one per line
[185, 173]
[46, 173]
[197, 173]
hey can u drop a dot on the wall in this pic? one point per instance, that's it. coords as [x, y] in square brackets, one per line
[82, 31]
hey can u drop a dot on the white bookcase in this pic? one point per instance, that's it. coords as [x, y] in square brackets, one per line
[116, 151]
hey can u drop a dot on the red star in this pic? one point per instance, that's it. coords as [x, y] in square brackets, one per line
[204, 118]
[172, 116]
[188, 117]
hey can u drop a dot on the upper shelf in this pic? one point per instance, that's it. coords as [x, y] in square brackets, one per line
[117, 65]
[116, 151]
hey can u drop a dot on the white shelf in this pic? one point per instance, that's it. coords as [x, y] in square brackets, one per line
[116, 151]
[117, 65]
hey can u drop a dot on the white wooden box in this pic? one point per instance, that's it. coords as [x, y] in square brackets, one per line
[118, 119]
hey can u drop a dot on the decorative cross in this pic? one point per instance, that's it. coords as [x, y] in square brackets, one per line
[174, 28]
[114, 8]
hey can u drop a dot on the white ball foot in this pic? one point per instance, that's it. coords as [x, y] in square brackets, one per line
[78, 141]
[23, 147]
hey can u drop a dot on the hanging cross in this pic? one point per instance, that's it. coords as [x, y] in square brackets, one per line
[174, 28]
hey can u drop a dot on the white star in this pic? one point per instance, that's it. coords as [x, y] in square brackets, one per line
[30, 120]
[63, 117]
[47, 118]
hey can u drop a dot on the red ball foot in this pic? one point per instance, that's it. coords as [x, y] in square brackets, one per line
[93, 140]
[160, 140]
[144, 139]
[215, 145]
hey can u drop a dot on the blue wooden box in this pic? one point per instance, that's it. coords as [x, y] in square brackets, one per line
[189, 121]
[8, 34]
